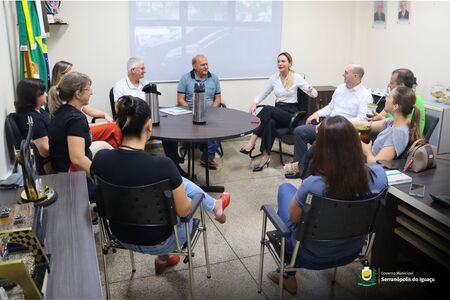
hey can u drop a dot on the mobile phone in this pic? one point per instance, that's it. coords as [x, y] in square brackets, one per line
[417, 190]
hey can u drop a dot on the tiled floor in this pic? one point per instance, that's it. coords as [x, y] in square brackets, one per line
[234, 249]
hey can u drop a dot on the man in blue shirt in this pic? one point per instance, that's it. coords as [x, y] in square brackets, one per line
[200, 73]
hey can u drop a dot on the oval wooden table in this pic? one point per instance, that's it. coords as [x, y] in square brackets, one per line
[221, 124]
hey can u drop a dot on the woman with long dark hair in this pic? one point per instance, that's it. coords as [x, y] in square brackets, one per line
[130, 165]
[339, 172]
[284, 84]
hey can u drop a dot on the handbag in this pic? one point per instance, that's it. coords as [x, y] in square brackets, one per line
[421, 157]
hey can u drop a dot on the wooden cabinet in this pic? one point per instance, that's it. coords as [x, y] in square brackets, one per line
[325, 93]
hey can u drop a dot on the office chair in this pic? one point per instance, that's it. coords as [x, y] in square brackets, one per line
[145, 206]
[112, 103]
[13, 136]
[286, 135]
[322, 219]
[430, 124]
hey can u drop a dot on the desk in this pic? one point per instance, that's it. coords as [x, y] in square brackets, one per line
[416, 228]
[74, 272]
[221, 123]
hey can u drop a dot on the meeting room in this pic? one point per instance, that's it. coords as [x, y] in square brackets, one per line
[225, 149]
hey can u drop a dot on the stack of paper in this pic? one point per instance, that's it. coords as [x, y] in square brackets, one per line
[397, 177]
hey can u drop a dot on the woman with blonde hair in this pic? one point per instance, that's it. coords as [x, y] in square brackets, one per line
[104, 131]
[284, 84]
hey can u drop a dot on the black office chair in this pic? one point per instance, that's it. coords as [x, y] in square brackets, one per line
[322, 219]
[430, 124]
[112, 103]
[146, 206]
[13, 136]
[286, 135]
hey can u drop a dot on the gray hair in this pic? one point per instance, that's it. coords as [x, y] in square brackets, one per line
[194, 59]
[70, 83]
[358, 70]
[133, 62]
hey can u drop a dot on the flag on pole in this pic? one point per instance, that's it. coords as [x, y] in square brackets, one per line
[33, 45]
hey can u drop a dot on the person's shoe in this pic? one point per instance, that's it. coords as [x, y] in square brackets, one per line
[161, 265]
[288, 284]
[292, 175]
[211, 163]
[247, 152]
[291, 168]
[261, 167]
[226, 198]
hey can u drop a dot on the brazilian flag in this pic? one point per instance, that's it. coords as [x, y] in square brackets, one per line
[33, 44]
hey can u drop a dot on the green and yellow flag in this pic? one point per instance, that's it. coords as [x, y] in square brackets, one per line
[33, 44]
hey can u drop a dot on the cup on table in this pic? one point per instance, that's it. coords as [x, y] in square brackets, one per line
[364, 133]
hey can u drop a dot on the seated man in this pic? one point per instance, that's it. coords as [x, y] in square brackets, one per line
[404, 77]
[200, 73]
[133, 83]
[349, 100]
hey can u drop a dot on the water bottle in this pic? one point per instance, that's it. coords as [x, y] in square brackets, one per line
[151, 97]
[199, 104]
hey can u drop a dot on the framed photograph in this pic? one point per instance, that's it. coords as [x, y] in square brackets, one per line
[379, 14]
[404, 7]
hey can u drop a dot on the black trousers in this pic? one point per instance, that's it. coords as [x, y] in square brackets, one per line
[272, 118]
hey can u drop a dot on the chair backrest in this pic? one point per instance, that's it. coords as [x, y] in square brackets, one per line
[146, 206]
[112, 102]
[330, 219]
[302, 100]
[13, 130]
[430, 123]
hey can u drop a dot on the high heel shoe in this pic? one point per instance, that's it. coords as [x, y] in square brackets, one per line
[246, 152]
[261, 167]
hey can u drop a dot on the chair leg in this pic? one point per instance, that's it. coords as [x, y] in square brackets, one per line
[205, 241]
[281, 152]
[261, 253]
[105, 269]
[334, 276]
[191, 267]
[281, 281]
[133, 267]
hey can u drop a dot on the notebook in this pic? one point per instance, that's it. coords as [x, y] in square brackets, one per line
[397, 177]
[175, 110]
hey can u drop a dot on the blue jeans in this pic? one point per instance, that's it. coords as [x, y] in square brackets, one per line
[212, 149]
[303, 135]
[170, 244]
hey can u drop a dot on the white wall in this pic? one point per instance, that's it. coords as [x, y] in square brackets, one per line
[422, 46]
[8, 77]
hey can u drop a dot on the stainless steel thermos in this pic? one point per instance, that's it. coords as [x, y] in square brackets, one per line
[151, 97]
[199, 104]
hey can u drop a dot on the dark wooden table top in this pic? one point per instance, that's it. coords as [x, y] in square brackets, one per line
[437, 182]
[221, 123]
[74, 272]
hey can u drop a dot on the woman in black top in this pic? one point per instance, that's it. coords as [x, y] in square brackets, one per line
[31, 96]
[69, 135]
[130, 165]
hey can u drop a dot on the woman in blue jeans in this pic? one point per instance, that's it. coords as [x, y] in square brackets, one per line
[130, 165]
[339, 172]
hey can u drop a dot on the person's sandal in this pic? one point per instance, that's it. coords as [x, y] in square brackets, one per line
[161, 265]
[291, 168]
[226, 198]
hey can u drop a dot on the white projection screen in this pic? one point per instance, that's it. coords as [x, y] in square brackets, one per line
[240, 38]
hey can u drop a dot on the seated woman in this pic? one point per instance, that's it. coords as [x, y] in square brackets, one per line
[31, 96]
[124, 166]
[340, 173]
[104, 131]
[284, 84]
[394, 135]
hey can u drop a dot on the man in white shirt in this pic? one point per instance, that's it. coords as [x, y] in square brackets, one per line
[349, 100]
[133, 83]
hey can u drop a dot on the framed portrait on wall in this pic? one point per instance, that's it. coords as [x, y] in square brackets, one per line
[404, 8]
[379, 14]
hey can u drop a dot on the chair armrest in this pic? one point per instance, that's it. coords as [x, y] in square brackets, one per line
[295, 119]
[276, 220]
[96, 118]
[195, 204]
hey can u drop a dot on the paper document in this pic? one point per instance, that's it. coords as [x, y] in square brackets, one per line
[397, 177]
[175, 110]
